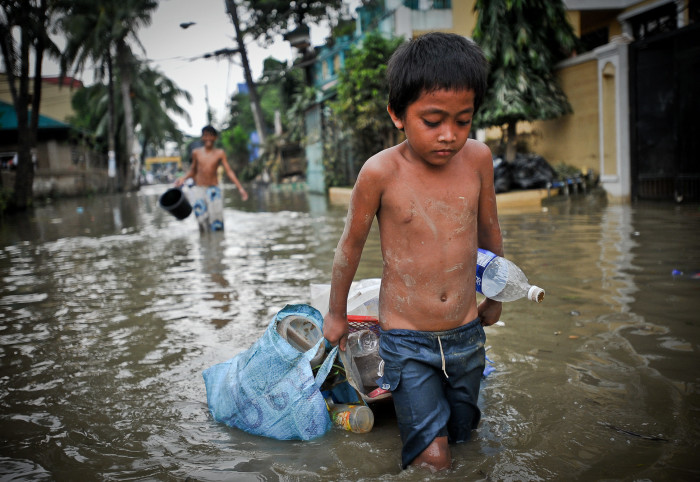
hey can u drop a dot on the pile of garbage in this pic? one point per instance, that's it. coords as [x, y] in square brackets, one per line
[532, 171]
[289, 385]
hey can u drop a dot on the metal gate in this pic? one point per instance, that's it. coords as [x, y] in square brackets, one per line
[665, 116]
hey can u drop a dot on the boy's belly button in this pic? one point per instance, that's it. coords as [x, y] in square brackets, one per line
[443, 298]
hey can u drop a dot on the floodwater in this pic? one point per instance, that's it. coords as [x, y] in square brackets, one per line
[110, 309]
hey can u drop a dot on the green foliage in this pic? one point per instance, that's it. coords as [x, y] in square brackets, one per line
[565, 171]
[5, 199]
[344, 28]
[267, 18]
[523, 40]
[278, 88]
[360, 105]
[270, 101]
[296, 113]
[155, 99]
[241, 113]
[235, 143]
[336, 151]
[90, 107]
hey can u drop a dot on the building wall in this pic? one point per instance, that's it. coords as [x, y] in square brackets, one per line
[573, 139]
[51, 184]
[55, 99]
[461, 19]
[56, 102]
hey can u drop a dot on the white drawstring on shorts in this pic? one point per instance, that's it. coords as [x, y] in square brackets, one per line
[442, 354]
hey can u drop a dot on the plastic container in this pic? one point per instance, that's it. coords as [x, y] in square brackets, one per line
[366, 364]
[175, 202]
[355, 418]
[302, 334]
[363, 297]
[363, 342]
[500, 279]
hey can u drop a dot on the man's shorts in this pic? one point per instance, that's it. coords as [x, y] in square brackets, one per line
[208, 206]
[434, 379]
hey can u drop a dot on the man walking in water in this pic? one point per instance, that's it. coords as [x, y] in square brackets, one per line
[206, 195]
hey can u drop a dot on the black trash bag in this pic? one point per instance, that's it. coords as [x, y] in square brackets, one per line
[502, 175]
[531, 171]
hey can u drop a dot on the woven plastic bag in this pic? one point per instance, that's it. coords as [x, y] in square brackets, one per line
[270, 389]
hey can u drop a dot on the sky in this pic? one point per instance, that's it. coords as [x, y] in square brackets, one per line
[172, 50]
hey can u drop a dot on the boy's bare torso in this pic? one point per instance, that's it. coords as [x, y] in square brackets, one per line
[428, 227]
[208, 161]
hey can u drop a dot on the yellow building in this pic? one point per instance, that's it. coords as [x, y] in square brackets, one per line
[55, 95]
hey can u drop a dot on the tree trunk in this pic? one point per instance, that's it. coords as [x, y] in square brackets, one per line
[252, 91]
[131, 180]
[511, 142]
[24, 175]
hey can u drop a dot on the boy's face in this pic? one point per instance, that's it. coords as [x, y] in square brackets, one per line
[437, 125]
[208, 138]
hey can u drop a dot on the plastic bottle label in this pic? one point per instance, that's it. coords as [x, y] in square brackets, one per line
[342, 419]
[483, 258]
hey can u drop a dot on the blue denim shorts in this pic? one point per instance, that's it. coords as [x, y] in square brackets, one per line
[434, 379]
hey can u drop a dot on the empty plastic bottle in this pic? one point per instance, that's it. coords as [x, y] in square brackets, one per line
[363, 342]
[355, 418]
[363, 347]
[501, 280]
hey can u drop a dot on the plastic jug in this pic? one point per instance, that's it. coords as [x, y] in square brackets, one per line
[302, 334]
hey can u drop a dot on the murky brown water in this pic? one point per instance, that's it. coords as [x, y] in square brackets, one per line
[110, 309]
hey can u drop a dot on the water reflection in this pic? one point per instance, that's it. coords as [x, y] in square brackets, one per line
[110, 309]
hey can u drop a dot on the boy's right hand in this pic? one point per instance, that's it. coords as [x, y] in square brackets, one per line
[335, 330]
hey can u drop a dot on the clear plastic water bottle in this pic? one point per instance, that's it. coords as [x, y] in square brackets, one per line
[363, 347]
[363, 342]
[500, 279]
[355, 418]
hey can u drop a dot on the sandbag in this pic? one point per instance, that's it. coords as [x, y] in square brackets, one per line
[270, 389]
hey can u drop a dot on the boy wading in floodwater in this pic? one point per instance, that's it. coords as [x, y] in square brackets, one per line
[206, 196]
[434, 200]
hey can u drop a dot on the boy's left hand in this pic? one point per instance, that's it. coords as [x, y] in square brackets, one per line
[335, 330]
[489, 311]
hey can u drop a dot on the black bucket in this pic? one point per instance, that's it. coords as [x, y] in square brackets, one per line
[175, 202]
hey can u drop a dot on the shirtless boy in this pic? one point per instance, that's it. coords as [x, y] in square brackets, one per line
[434, 200]
[206, 195]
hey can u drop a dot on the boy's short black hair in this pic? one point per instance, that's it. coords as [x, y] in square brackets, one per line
[210, 129]
[435, 61]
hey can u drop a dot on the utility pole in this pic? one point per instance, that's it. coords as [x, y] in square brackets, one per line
[252, 91]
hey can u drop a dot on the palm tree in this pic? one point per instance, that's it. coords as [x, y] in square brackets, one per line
[101, 30]
[155, 98]
[131, 15]
[30, 20]
[85, 28]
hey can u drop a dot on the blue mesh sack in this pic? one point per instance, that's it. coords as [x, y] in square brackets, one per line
[269, 389]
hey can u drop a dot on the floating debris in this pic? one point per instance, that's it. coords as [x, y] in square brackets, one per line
[634, 434]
